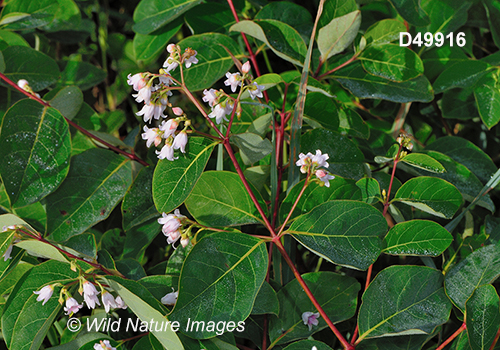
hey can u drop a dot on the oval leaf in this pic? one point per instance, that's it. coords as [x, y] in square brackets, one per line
[432, 195]
[403, 300]
[223, 289]
[482, 317]
[344, 232]
[417, 237]
[337, 35]
[411, 11]
[423, 161]
[35, 146]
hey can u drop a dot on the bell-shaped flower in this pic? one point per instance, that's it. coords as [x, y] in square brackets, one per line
[169, 127]
[167, 152]
[310, 319]
[170, 64]
[144, 94]
[108, 301]
[170, 298]
[233, 80]
[90, 295]
[137, 81]
[324, 176]
[103, 345]
[210, 97]
[120, 304]
[180, 141]
[72, 306]
[45, 293]
[151, 136]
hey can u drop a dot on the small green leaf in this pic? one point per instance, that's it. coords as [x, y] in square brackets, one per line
[68, 101]
[35, 147]
[403, 300]
[266, 302]
[482, 317]
[252, 147]
[336, 8]
[150, 15]
[370, 190]
[432, 195]
[338, 302]
[139, 237]
[384, 32]
[337, 35]
[411, 11]
[6, 240]
[41, 250]
[344, 232]
[210, 17]
[480, 267]
[323, 110]
[174, 181]
[98, 179]
[365, 85]
[147, 308]
[220, 199]
[25, 14]
[392, 62]
[282, 39]
[223, 288]
[417, 237]
[23, 62]
[493, 13]
[487, 95]
[462, 74]
[423, 161]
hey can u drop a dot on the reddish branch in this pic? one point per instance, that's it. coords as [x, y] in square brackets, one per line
[453, 336]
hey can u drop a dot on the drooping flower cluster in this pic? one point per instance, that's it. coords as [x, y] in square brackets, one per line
[103, 345]
[155, 98]
[172, 227]
[310, 319]
[310, 163]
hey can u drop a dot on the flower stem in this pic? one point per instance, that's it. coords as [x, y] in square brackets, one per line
[453, 336]
[350, 60]
[294, 205]
[386, 204]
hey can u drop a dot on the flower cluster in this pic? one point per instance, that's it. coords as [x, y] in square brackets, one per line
[172, 227]
[155, 98]
[310, 163]
[103, 345]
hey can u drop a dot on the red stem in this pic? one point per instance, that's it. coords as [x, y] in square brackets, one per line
[72, 123]
[294, 205]
[367, 283]
[453, 336]
[386, 204]
[495, 340]
[353, 58]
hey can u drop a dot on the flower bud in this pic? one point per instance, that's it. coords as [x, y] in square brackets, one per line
[177, 111]
[246, 67]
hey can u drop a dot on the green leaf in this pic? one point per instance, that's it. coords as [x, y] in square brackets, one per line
[487, 95]
[32, 14]
[392, 62]
[148, 342]
[23, 62]
[323, 110]
[423, 161]
[480, 267]
[282, 39]
[12, 39]
[407, 342]
[370, 190]
[459, 104]
[365, 85]
[493, 13]
[465, 152]
[266, 301]
[139, 237]
[411, 11]
[68, 101]
[82, 74]
[210, 17]
[345, 158]
[138, 206]
[384, 32]
[403, 300]
[5, 239]
[252, 147]
[336, 8]
[25, 321]
[35, 146]
[437, 59]
[224, 287]
[343, 232]
[220, 199]
[417, 237]
[174, 181]
[482, 317]
[131, 269]
[41, 250]
[337, 35]
[339, 303]
[147, 48]
[2, 63]
[462, 74]
[84, 244]
[432, 195]
[150, 15]
[214, 59]
[97, 180]
[315, 194]
[147, 308]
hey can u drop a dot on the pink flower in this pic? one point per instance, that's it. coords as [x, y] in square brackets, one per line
[144, 94]
[169, 127]
[180, 141]
[120, 304]
[324, 176]
[233, 80]
[151, 136]
[108, 301]
[8, 251]
[72, 306]
[137, 81]
[246, 67]
[177, 111]
[171, 48]
[45, 293]
[90, 295]
[172, 224]
[210, 97]
[167, 152]
[184, 242]
[103, 345]
[310, 319]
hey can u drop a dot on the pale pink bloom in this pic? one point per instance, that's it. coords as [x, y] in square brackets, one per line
[170, 64]
[166, 80]
[137, 81]
[171, 48]
[184, 242]
[144, 94]
[210, 96]
[191, 59]
[147, 112]
[310, 319]
[180, 141]
[320, 160]
[171, 222]
[177, 111]
[324, 176]
[89, 288]
[90, 295]
[23, 84]
[170, 298]
[304, 162]
[255, 90]
[120, 304]
[103, 345]
[219, 112]
[167, 152]
[151, 136]
[169, 127]
[246, 67]
[108, 301]
[233, 80]
[45, 293]
[72, 306]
